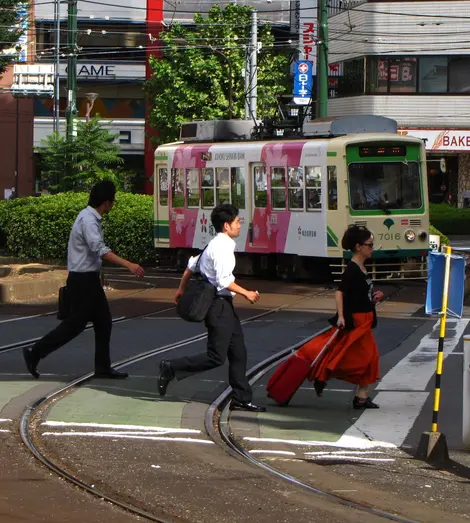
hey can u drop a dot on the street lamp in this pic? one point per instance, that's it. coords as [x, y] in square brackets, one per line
[90, 102]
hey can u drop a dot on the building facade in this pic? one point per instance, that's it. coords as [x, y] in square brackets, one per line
[409, 61]
[115, 39]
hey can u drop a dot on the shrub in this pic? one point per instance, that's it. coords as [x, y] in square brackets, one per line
[40, 229]
[450, 220]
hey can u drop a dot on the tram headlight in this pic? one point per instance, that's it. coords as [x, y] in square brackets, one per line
[410, 236]
[422, 235]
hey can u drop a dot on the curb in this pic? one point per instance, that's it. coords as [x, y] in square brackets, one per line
[30, 289]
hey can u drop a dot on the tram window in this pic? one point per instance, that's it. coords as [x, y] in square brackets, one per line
[332, 187]
[295, 177]
[207, 188]
[260, 186]
[313, 187]
[192, 187]
[222, 192]
[238, 186]
[177, 188]
[278, 188]
[163, 185]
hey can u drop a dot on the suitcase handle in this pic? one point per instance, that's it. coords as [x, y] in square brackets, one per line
[327, 345]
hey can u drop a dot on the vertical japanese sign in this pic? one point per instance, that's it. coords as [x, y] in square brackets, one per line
[303, 82]
[308, 32]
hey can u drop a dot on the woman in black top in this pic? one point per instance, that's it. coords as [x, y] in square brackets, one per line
[353, 356]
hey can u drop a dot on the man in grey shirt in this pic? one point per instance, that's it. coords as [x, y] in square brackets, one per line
[86, 250]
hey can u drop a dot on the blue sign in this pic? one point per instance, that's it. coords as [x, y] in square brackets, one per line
[436, 268]
[303, 82]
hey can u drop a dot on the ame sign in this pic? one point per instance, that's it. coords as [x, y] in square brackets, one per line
[107, 71]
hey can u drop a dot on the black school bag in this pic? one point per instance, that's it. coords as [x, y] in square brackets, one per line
[198, 296]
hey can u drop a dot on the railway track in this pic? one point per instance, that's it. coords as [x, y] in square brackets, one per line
[36, 412]
[216, 421]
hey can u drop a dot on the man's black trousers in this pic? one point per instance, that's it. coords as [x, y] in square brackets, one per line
[224, 340]
[87, 303]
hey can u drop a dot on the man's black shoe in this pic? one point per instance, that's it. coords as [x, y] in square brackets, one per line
[111, 374]
[166, 375]
[31, 361]
[250, 407]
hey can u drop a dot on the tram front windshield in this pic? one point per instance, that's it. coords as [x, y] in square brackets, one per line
[384, 185]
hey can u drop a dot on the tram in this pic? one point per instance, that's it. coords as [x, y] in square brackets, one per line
[297, 195]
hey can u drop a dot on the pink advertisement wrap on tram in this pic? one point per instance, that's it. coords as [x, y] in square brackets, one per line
[183, 221]
[270, 227]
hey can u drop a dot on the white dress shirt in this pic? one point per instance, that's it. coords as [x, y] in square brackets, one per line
[86, 244]
[217, 263]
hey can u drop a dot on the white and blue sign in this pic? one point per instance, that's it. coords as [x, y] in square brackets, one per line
[435, 289]
[303, 82]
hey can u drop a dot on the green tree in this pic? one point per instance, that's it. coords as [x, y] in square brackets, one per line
[199, 75]
[77, 165]
[12, 15]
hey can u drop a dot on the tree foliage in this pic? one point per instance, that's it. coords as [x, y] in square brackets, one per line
[12, 14]
[199, 67]
[78, 164]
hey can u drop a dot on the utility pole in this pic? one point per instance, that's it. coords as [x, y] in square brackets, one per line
[254, 65]
[322, 69]
[57, 73]
[71, 70]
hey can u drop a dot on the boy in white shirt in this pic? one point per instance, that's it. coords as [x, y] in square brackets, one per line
[225, 335]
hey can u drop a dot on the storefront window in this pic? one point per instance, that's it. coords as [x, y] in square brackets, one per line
[402, 75]
[377, 75]
[351, 83]
[459, 74]
[433, 74]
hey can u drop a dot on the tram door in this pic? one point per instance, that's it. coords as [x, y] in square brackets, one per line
[162, 215]
[259, 206]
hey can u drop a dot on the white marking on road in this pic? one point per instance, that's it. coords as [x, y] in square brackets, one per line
[126, 436]
[25, 317]
[156, 466]
[3, 430]
[404, 391]
[392, 422]
[415, 370]
[353, 458]
[5, 420]
[282, 452]
[348, 452]
[123, 427]
[358, 442]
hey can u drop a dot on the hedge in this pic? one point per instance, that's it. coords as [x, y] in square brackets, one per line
[38, 228]
[450, 220]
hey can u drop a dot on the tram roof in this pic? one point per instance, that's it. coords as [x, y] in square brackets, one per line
[246, 130]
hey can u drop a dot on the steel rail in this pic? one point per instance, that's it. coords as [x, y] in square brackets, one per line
[218, 428]
[41, 405]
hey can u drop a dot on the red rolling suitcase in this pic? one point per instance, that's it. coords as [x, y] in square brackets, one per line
[290, 375]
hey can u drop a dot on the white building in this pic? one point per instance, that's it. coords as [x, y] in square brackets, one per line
[409, 61]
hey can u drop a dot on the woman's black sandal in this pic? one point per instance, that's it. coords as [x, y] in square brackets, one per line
[319, 386]
[364, 403]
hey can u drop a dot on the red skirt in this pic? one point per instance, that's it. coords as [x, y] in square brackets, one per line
[353, 356]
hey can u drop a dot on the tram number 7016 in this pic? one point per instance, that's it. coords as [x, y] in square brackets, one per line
[389, 236]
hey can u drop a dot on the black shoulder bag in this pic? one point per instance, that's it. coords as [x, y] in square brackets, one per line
[194, 304]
